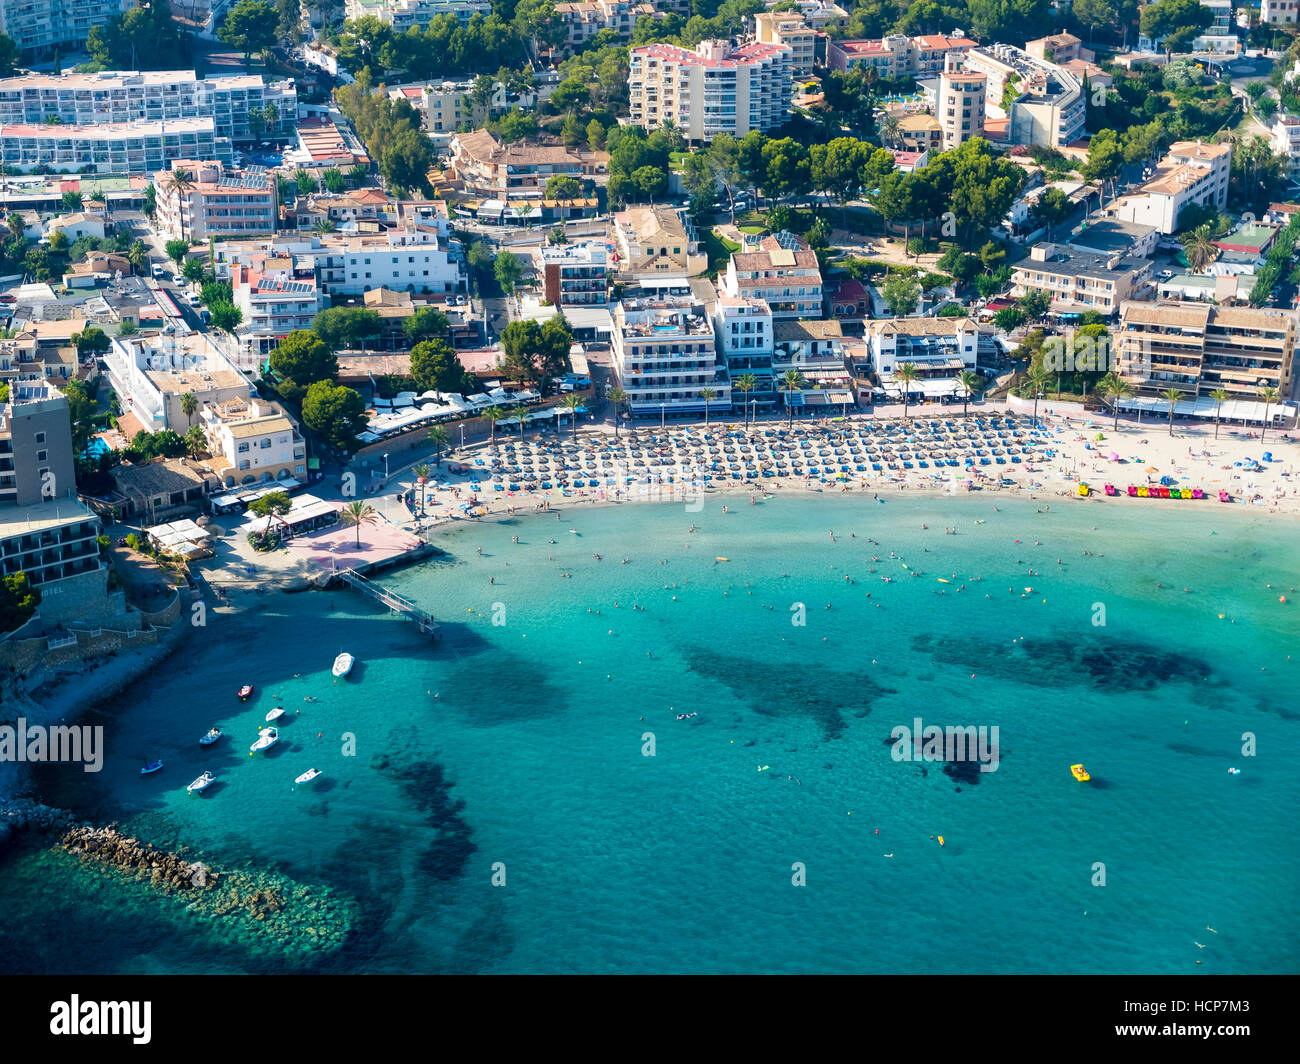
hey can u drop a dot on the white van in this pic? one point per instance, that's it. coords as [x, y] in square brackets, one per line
[157, 270]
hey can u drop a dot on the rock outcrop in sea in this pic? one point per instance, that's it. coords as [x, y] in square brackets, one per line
[259, 909]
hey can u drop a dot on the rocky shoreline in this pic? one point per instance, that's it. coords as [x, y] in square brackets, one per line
[25, 814]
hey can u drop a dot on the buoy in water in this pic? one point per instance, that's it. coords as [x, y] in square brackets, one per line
[940, 840]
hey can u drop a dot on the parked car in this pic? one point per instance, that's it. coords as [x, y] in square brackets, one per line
[1165, 275]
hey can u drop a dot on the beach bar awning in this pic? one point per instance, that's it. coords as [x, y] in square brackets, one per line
[1247, 410]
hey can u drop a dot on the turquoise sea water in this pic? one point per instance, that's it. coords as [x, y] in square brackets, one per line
[521, 742]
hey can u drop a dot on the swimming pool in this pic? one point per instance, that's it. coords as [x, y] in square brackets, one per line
[95, 448]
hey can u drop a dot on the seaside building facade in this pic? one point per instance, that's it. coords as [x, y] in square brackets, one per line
[657, 241]
[940, 348]
[717, 88]
[789, 29]
[783, 271]
[489, 167]
[959, 104]
[253, 440]
[151, 374]
[403, 14]
[1199, 348]
[664, 352]
[745, 339]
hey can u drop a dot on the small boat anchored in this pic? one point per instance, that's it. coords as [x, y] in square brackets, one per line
[343, 664]
[1079, 773]
[151, 766]
[275, 714]
[266, 738]
[308, 776]
[201, 784]
[213, 735]
[245, 691]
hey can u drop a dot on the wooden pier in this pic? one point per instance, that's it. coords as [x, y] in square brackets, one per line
[395, 602]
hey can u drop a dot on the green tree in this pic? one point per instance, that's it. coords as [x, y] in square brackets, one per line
[440, 438]
[8, 56]
[196, 442]
[792, 381]
[177, 250]
[969, 381]
[271, 505]
[335, 413]
[300, 360]
[334, 180]
[249, 26]
[508, 270]
[189, 406]
[1171, 396]
[1199, 248]
[192, 271]
[1094, 14]
[650, 181]
[618, 397]
[1269, 395]
[427, 323]
[225, 317]
[434, 367]
[18, 601]
[572, 402]
[91, 341]
[1218, 395]
[561, 187]
[906, 373]
[901, 293]
[1175, 23]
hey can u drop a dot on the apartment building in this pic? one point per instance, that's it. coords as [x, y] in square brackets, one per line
[1190, 173]
[898, 55]
[745, 341]
[151, 374]
[45, 531]
[789, 29]
[403, 14]
[783, 271]
[584, 20]
[815, 349]
[1043, 102]
[718, 88]
[489, 167]
[127, 147]
[959, 105]
[274, 302]
[922, 133]
[939, 348]
[1199, 348]
[1285, 136]
[253, 440]
[1060, 48]
[1278, 12]
[664, 352]
[38, 25]
[573, 275]
[1220, 36]
[1077, 280]
[657, 241]
[218, 202]
[117, 97]
[342, 209]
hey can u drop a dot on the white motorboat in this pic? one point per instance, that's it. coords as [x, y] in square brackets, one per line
[266, 738]
[275, 714]
[308, 776]
[202, 783]
[343, 664]
[213, 735]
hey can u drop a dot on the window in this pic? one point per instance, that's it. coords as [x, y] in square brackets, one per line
[42, 456]
[40, 437]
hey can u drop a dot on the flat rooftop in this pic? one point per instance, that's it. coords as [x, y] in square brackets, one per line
[18, 520]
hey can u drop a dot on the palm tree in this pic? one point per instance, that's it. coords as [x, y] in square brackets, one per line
[905, 373]
[189, 404]
[1218, 395]
[573, 402]
[1113, 387]
[970, 382]
[746, 383]
[439, 438]
[1037, 378]
[889, 130]
[422, 478]
[1171, 396]
[195, 441]
[519, 412]
[1269, 394]
[1198, 247]
[708, 395]
[791, 381]
[494, 414]
[180, 182]
[323, 225]
[137, 255]
[358, 513]
[616, 396]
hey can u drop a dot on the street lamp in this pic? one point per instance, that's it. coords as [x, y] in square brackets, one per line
[662, 415]
[385, 467]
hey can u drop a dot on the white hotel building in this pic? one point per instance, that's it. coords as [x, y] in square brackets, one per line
[114, 147]
[37, 25]
[664, 352]
[714, 89]
[147, 96]
[1045, 103]
[1191, 172]
[403, 14]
